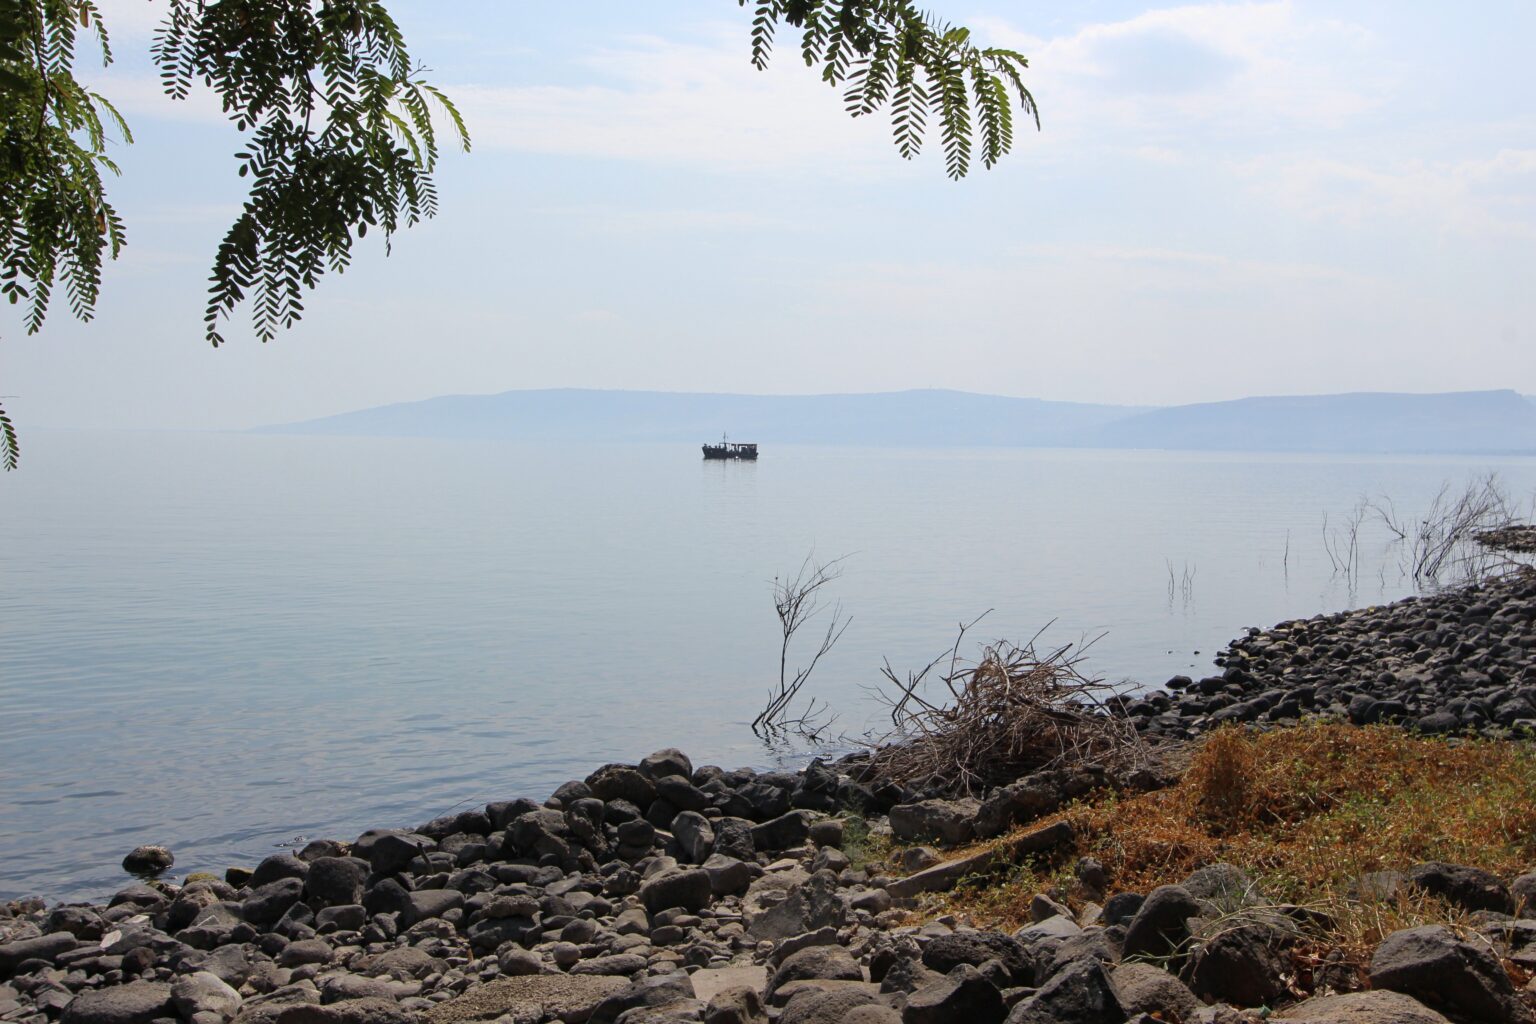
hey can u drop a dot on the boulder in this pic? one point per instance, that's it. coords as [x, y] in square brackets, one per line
[942, 877]
[781, 833]
[1381, 1007]
[1081, 994]
[681, 793]
[807, 907]
[823, 963]
[1461, 979]
[669, 761]
[1523, 891]
[944, 953]
[1244, 965]
[1160, 926]
[138, 1002]
[335, 881]
[534, 997]
[622, 782]
[43, 947]
[1467, 887]
[279, 865]
[425, 904]
[738, 1005]
[370, 1010]
[658, 990]
[951, 822]
[392, 853]
[690, 889]
[1143, 988]
[265, 906]
[963, 995]
[1019, 802]
[695, 837]
[148, 860]
[203, 992]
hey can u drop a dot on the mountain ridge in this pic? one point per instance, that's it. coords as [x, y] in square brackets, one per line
[1469, 422]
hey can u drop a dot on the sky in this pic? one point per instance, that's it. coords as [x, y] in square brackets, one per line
[1224, 199]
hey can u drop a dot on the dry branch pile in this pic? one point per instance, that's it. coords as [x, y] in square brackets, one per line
[1013, 712]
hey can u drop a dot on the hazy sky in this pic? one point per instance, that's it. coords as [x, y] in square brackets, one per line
[1226, 200]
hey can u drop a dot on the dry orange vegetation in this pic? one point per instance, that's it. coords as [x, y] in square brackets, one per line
[1306, 811]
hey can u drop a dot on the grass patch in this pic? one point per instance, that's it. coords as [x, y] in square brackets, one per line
[1306, 811]
[866, 850]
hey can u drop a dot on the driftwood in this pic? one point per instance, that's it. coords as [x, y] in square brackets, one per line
[797, 600]
[1015, 710]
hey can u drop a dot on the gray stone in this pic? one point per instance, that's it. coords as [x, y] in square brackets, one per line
[942, 877]
[339, 988]
[1523, 891]
[1160, 926]
[335, 881]
[1467, 887]
[534, 997]
[202, 992]
[952, 822]
[1382, 1007]
[823, 963]
[827, 833]
[392, 854]
[807, 907]
[1244, 965]
[621, 782]
[265, 906]
[669, 761]
[1121, 908]
[944, 953]
[351, 1011]
[138, 1002]
[619, 964]
[737, 1005]
[781, 833]
[305, 951]
[714, 981]
[695, 837]
[1081, 994]
[963, 995]
[279, 865]
[1014, 804]
[729, 876]
[1143, 988]
[425, 904]
[689, 889]
[148, 860]
[43, 947]
[1225, 886]
[816, 1005]
[1433, 966]
[662, 990]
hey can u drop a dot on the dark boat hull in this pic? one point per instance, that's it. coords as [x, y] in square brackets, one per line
[742, 452]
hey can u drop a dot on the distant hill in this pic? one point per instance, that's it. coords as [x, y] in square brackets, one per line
[1471, 422]
[929, 417]
[1468, 421]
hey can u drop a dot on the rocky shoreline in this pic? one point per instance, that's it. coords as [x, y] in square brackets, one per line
[662, 892]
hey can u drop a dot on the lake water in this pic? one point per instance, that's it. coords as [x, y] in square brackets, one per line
[226, 642]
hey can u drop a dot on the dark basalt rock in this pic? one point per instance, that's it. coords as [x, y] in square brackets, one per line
[1160, 926]
[1467, 887]
[1462, 980]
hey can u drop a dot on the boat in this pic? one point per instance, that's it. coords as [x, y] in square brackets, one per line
[728, 449]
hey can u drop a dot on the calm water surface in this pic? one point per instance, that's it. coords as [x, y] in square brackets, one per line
[227, 642]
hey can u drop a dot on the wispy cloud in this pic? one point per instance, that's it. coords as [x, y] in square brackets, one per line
[667, 102]
[1200, 75]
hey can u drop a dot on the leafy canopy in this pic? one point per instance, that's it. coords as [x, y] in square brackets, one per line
[341, 131]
